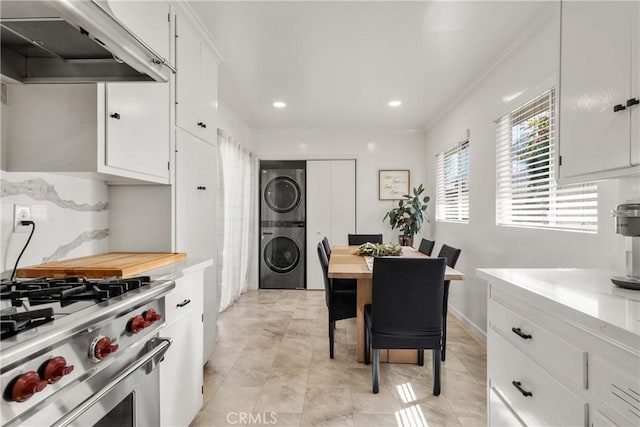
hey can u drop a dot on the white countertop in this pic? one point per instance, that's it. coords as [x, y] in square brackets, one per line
[179, 269]
[588, 294]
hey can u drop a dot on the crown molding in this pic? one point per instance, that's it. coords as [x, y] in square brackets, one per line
[185, 9]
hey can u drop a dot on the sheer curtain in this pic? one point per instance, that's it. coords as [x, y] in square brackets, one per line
[236, 176]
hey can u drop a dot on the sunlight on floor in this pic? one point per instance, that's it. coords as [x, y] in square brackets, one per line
[411, 417]
[406, 393]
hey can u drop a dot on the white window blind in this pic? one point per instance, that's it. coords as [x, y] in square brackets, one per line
[526, 190]
[452, 184]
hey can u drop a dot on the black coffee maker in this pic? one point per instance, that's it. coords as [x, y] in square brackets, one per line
[628, 224]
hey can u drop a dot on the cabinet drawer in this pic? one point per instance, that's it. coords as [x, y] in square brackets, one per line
[185, 298]
[616, 383]
[550, 403]
[539, 344]
[499, 412]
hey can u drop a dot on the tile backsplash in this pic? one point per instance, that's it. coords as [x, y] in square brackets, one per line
[71, 216]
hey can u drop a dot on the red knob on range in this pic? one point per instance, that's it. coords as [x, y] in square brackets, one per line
[54, 369]
[136, 324]
[101, 347]
[25, 386]
[151, 315]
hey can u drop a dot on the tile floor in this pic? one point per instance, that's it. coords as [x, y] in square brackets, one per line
[271, 366]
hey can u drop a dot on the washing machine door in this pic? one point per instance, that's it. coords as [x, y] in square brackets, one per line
[282, 254]
[282, 194]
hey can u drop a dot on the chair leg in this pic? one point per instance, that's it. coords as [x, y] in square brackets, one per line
[331, 328]
[376, 370]
[436, 372]
[445, 304]
[420, 357]
[367, 347]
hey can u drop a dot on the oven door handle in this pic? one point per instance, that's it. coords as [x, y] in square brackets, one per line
[159, 345]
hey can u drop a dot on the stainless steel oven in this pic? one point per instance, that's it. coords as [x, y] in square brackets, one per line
[96, 366]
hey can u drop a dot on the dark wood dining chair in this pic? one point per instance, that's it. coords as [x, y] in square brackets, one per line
[451, 254]
[426, 246]
[341, 303]
[405, 310]
[358, 239]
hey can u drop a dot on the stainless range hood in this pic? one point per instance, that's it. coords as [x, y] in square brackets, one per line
[66, 41]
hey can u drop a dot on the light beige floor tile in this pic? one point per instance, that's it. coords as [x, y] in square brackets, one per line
[374, 420]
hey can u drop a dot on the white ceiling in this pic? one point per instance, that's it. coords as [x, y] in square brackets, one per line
[338, 64]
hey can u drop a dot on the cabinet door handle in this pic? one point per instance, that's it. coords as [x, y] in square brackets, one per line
[200, 187]
[116, 116]
[200, 124]
[633, 101]
[204, 125]
[183, 303]
[521, 334]
[619, 107]
[518, 385]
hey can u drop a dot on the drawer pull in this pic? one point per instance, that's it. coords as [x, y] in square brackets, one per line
[518, 385]
[183, 303]
[521, 334]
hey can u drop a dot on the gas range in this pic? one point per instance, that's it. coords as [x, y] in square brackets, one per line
[61, 334]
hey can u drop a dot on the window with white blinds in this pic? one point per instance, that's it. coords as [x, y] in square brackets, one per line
[452, 184]
[526, 190]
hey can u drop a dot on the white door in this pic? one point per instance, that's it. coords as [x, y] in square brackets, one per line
[138, 128]
[318, 217]
[595, 67]
[331, 209]
[635, 86]
[187, 77]
[208, 108]
[187, 194]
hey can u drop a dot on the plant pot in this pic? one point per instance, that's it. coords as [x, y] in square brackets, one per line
[405, 240]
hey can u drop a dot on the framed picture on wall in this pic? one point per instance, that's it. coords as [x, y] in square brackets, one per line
[393, 184]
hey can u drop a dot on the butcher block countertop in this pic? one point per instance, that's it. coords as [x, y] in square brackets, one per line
[112, 264]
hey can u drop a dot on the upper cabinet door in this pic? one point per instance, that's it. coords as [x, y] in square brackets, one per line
[187, 78]
[635, 86]
[596, 73]
[149, 20]
[138, 128]
[209, 95]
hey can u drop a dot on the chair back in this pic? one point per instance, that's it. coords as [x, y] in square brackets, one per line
[451, 254]
[324, 264]
[327, 247]
[426, 246]
[358, 239]
[406, 302]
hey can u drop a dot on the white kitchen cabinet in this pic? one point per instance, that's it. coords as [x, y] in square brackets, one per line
[599, 70]
[196, 84]
[567, 337]
[331, 209]
[118, 130]
[149, 20]
[195, 187]
[181, 375]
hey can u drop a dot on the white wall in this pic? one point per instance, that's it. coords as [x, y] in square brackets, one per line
[234, 126]
[483, 243]
[372, 150]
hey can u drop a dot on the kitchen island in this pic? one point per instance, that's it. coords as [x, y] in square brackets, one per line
[563, 348]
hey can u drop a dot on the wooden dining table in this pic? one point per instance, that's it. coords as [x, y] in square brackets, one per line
[345, 264]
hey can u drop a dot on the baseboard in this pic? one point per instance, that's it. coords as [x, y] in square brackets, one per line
[475, 329]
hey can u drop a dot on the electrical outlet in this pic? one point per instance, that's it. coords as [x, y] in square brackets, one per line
[21, 213]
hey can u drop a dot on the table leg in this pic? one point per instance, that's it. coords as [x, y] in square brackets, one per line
[364, 297]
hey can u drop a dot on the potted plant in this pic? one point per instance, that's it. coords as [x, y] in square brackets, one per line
[409, 216]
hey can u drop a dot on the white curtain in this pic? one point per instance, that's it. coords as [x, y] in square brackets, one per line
[236, 212]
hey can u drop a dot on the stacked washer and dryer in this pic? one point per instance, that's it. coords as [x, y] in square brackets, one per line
[282, 225]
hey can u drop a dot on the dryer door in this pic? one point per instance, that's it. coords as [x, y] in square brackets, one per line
[282, 194]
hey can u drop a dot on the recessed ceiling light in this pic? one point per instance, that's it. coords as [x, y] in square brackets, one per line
[395, 103]
[279, 104]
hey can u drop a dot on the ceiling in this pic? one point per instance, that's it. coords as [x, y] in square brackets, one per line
[338, 64]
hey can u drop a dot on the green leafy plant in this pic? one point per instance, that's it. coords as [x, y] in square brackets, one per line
[410, 214]
[377, 249]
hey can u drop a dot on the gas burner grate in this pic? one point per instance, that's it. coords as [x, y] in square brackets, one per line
[12, 322]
